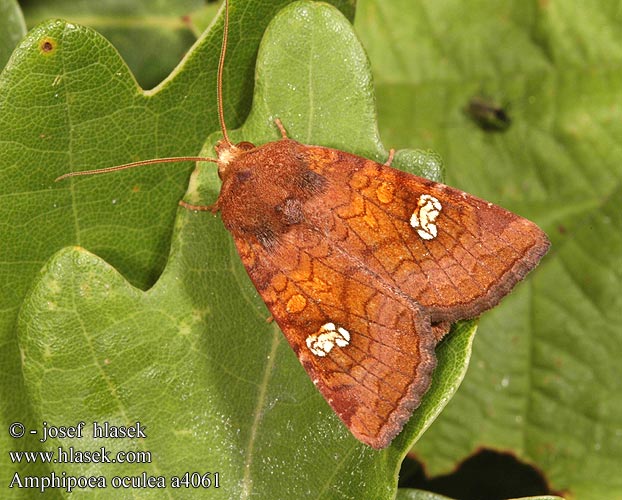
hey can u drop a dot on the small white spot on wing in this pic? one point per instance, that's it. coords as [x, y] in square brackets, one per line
[327, 337]
[422, 219]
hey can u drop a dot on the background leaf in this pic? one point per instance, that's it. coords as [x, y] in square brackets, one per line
[545, 381]
[150, 36]
[410, 494]
[12, 28]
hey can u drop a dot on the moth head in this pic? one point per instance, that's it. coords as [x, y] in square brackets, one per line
[228, 153]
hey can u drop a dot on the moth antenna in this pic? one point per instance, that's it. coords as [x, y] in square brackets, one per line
[221, 65]
[174, 159]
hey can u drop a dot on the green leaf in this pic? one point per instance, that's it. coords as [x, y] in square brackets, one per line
[202, 18]
[151, 36]
[193, 358]
[12, 28]
[545, 381]
[409, 494]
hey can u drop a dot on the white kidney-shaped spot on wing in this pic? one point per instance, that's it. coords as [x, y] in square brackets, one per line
[424, 216]
[327, 337]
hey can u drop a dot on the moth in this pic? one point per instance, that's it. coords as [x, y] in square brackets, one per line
[363, 267]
